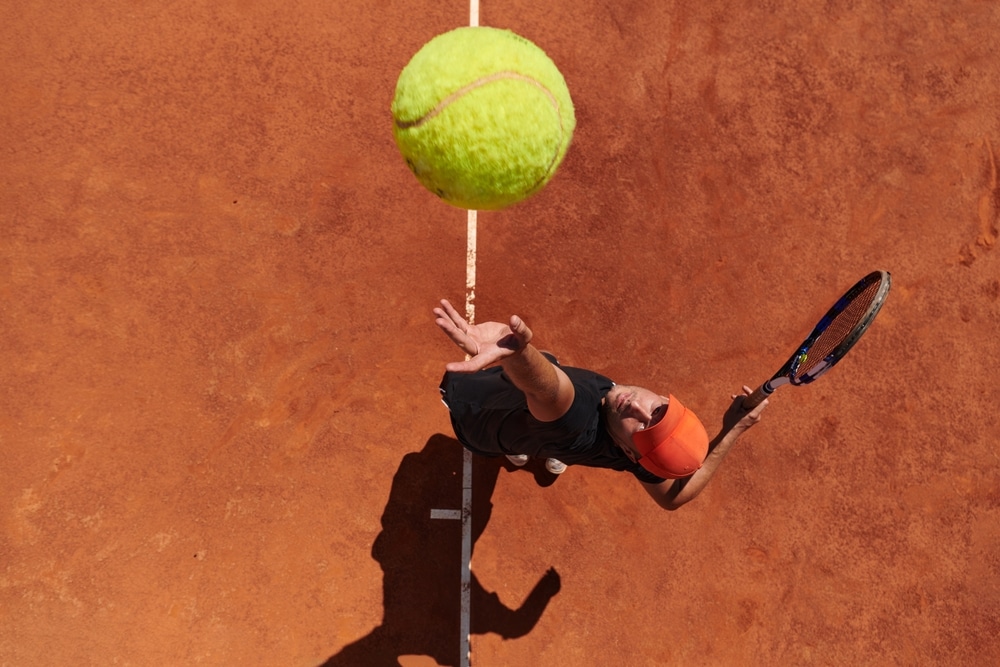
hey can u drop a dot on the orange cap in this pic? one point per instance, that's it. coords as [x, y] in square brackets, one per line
[675, 446]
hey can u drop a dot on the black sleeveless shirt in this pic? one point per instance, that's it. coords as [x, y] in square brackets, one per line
[490, 417]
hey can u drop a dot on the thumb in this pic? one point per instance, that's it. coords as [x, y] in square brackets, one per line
[520, 329]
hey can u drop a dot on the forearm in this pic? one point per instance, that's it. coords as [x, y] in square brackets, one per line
[671, 494]
[532, 373]
[685, 490]
[548, 389]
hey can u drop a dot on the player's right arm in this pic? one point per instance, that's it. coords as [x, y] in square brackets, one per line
[674, 493]
[548, 390]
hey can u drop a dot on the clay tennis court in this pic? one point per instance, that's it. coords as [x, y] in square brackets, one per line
[221, 437]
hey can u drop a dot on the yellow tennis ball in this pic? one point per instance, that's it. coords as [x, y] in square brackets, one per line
[483, 117]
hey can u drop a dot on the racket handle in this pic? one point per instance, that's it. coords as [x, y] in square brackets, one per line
[757, 397]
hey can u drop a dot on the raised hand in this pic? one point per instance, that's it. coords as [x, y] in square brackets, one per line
[486, 343]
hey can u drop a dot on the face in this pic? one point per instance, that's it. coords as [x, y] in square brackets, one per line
[629, 409]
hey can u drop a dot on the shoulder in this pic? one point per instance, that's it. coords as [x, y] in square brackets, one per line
[589, 389]
[588, 380]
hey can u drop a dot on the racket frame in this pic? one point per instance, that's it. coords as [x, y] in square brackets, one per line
[787, 373]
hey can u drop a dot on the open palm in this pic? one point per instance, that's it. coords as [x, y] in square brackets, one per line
[486, 343]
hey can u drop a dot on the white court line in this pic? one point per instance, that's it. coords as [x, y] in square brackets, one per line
[465, 647]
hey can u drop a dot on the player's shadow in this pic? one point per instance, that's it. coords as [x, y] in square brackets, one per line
[421, 559]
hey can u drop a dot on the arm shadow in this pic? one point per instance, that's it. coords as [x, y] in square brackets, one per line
[421, 560]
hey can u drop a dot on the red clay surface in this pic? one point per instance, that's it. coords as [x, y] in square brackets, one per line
[220, 431]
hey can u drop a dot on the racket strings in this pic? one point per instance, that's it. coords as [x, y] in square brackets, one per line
[843, 325]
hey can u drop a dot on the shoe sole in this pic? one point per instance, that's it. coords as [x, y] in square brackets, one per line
[558, 471]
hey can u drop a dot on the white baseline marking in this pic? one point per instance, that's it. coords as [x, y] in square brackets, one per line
[465, 648]
[470, 268]
[465, 653]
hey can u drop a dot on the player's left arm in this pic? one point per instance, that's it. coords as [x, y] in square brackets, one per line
[673, 493]
[548, 390]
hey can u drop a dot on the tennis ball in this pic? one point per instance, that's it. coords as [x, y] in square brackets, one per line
[483, 117]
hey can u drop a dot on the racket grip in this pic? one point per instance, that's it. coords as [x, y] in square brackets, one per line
[757, 397]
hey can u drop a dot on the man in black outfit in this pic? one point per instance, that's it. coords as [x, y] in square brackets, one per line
[510, 399]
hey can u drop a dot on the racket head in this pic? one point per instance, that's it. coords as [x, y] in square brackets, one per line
[839, 329]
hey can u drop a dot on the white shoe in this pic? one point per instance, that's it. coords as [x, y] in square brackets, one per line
[517, 459]
[555, 466]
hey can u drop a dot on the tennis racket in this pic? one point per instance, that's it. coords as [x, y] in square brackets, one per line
[832, 338]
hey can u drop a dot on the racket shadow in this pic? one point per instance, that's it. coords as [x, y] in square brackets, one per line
[421, 563]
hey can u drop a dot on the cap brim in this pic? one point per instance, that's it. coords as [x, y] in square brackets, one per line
[676, 446]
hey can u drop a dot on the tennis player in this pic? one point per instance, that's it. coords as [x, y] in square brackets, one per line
[509, 399]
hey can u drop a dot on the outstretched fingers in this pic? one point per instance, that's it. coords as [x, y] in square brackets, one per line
[453, 324]
[448, 318]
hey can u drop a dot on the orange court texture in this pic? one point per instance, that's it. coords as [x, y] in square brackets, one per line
[221, 436]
